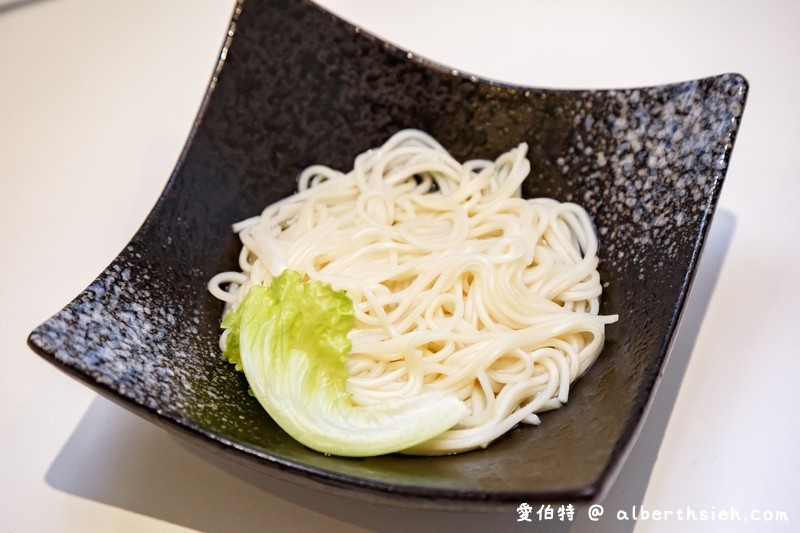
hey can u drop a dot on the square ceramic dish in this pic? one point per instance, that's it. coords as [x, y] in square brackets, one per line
[297, 86]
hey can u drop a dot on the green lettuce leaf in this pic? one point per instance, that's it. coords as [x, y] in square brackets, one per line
[231, 322]
[290, 339]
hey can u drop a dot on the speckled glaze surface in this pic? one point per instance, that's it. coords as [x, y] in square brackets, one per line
[298, 86]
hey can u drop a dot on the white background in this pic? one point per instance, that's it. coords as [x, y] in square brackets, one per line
[96, 100]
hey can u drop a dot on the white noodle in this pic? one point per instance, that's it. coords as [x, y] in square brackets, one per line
[458, 283]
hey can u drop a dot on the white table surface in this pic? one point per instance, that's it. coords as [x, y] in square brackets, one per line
[96, 99]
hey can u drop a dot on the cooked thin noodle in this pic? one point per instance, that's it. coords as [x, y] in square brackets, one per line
[458, 283]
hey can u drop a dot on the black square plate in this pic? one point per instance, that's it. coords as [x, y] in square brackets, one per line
[297, 86]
